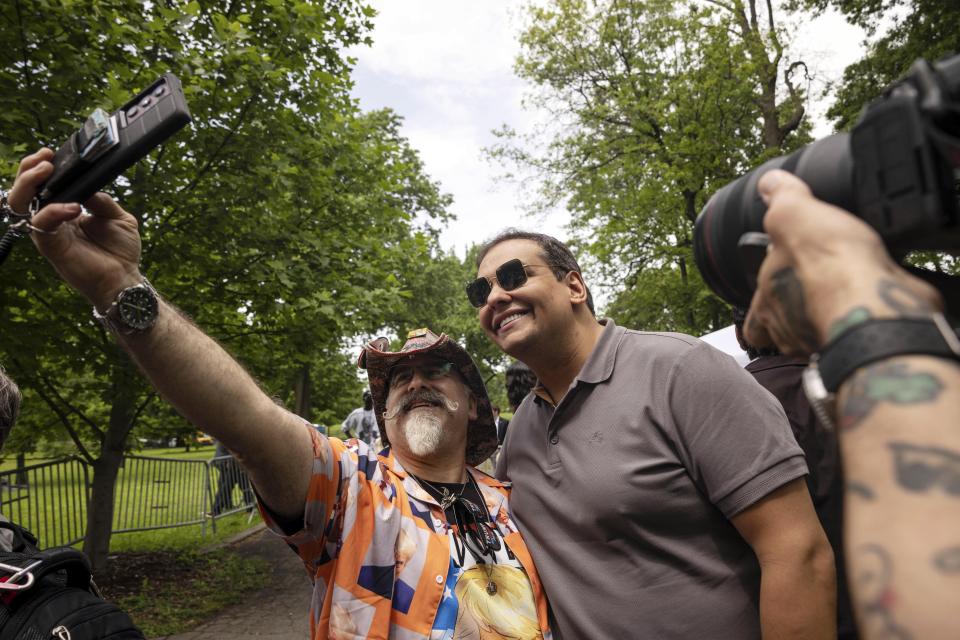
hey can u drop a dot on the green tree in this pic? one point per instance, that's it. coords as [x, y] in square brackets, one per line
[283, 220]
[655, 104]
[899, 32]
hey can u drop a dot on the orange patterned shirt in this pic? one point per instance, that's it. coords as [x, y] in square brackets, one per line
[375, 545]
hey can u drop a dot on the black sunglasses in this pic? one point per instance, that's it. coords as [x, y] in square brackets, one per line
[511, 275]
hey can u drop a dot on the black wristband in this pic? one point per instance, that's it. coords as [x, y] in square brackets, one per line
[882, 338]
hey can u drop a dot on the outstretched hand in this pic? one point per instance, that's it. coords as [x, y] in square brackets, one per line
[97, 254]
[825, 269]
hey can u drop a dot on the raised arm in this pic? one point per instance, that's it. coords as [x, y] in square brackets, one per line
[98, 255]
[898, 418]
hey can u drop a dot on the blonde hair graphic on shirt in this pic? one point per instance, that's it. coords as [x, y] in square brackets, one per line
[507, 614]
[342, 624]
[405, 549]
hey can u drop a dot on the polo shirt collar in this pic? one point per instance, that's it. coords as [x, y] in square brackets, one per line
[599, 366]
[600, 363]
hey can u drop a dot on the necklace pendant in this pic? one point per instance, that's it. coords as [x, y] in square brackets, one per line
[492, 587]
[446, 499]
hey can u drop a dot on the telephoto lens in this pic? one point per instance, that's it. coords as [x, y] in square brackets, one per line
[898, 170]
[737, 209]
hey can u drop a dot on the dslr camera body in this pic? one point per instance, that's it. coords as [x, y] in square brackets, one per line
[898, 170]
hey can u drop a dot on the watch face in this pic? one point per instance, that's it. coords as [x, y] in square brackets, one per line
[137, 308]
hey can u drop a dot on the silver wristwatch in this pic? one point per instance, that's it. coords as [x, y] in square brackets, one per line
[822, 401]
[134, 310]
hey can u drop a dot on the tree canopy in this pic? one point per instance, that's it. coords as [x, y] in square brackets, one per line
[654, 105]
[899, 32]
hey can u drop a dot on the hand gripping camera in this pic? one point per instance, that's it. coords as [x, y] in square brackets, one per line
[108, 144]
[898, 170]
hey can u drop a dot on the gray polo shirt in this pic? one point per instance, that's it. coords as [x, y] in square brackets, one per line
[624, 490]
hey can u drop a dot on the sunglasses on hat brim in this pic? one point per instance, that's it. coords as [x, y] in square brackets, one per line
[511, 275]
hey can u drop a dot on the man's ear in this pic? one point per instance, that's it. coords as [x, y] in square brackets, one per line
[472, 406]
[577, 287]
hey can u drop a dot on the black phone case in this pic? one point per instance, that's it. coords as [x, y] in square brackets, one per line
[155, 114]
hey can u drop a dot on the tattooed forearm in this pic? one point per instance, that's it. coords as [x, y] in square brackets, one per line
[853, 317]
[901, 299]
[920, 469]
[886, 382]
[860, 489]
[948, 561]
[873, 569]
[788, 290]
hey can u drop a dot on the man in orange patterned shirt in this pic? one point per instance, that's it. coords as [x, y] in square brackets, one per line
[386, 537]
[414, 542]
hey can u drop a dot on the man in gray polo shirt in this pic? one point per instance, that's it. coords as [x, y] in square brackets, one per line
[658, 486]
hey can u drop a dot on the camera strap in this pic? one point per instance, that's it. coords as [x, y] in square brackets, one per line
[23, 224]
[18, 229]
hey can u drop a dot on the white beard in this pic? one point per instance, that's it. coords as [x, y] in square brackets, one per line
[423, 431]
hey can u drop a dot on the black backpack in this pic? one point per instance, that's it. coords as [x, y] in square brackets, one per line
[62, 602]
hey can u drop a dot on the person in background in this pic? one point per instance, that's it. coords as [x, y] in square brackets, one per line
[361, 423]
[502, 424]
[781, 375]
[520, 381]
[231, 475]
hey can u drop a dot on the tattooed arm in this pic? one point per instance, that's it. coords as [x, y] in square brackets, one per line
[900, 438]
[898, 419]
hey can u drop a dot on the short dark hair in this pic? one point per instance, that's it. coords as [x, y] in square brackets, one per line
[555, 253]
[739, 314]
[9, 404]
[519, 382]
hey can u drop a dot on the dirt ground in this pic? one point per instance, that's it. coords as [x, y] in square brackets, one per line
[278, 610]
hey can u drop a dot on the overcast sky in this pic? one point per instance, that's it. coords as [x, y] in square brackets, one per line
[446, 66]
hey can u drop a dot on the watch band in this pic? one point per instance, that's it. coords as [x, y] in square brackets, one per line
[111, 319]
[882, 338]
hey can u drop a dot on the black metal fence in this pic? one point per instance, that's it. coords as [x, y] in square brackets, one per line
[50, 499]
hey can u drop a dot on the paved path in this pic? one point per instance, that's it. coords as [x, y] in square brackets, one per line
[279, 610]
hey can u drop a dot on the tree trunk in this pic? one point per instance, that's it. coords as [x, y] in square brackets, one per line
[301, 391]
[96, 543]
[683, 278]
[21, 474]
[690, 205]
